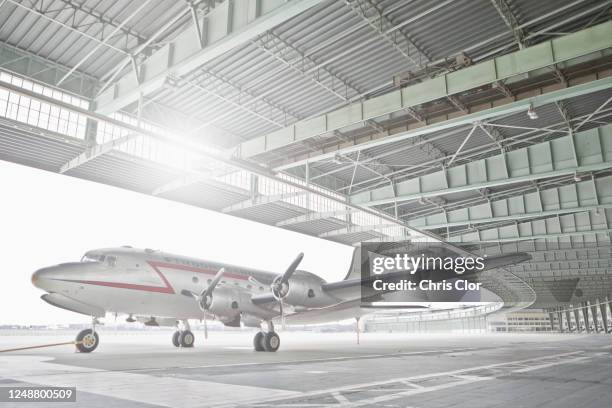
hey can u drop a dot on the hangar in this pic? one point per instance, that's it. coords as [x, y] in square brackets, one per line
[478, 123]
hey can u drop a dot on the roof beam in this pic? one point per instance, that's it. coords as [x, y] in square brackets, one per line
[544, 96]
[354, 229]
[577, 152]
[104, 41]
[502, 8]
[573, 254]
[561, 226]
[360, 9]
[45, 71]
[229, 25]
[553, 266]
[564, 273]
[300, 219]
[605, 231]
[387, 238]
[182, 181]
[95, 151]
[582, 196]
[261, 200]
[128, 31]
[548, 251]
[67, 26]
[485, 73]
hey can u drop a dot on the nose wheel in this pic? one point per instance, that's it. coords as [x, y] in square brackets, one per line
[87, 341]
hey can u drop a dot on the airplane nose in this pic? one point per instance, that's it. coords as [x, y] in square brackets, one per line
[39, 277]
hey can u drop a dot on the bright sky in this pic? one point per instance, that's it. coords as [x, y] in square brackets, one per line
[48, 218]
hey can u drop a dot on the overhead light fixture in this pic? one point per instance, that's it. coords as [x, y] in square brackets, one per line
[533, 115]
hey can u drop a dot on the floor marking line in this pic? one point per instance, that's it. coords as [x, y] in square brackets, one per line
[539, 367]
[143, 388]
[389, 397]
[412, 384]
[426, 376]
[468, 379]
[339, 397]
[306, 361]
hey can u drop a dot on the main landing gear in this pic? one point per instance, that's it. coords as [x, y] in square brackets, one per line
[266, 341]
[183, 338]
[87, 340]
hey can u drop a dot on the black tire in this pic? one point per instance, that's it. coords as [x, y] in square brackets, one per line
[258, 342]
[87, 341]
[271, 341]
[186, 339]
[175, 339]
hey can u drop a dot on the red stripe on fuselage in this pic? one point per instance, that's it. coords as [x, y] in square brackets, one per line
[157, 289]
[146, 288]
[156, 265]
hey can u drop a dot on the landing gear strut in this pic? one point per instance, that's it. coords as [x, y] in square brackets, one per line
[87, 340]
[266, 341]
[183, 338]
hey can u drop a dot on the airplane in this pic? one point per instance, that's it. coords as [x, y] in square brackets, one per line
[163, 289]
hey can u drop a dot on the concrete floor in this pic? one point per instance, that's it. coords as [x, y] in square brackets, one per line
[316, 370]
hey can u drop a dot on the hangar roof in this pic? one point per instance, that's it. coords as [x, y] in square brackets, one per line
[349, 120]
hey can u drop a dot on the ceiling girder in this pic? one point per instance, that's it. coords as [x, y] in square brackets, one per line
[581, 152]
[485, 73]
[237, 31]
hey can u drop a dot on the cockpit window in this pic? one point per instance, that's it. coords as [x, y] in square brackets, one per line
[92, 257]
[111, 260]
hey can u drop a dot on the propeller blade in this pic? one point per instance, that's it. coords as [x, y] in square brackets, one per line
[205, 327]
[282, 313]
[291, 269]
[214, 283]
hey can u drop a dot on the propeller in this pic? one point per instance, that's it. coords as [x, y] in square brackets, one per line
[205, 298]
[280, 285]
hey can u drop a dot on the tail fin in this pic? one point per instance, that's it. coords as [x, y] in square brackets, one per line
[354, 271]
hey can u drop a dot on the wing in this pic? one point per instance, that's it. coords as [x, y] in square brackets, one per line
[340, 311]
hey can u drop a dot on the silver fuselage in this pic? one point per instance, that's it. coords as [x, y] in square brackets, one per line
[149, 283]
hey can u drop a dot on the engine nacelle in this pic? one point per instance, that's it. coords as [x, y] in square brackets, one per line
[305, 290]
[225, 303]
[233, 304]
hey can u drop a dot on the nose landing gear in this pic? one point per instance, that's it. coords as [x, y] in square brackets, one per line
[87, 340]
[266, 341]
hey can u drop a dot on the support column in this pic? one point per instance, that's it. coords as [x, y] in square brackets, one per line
[91, 131]
[577, 318]
[568, 319]
[551, 318]
[609, 307]
[560, 319]
[594, 316]
[604, 315]
[585, 316]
